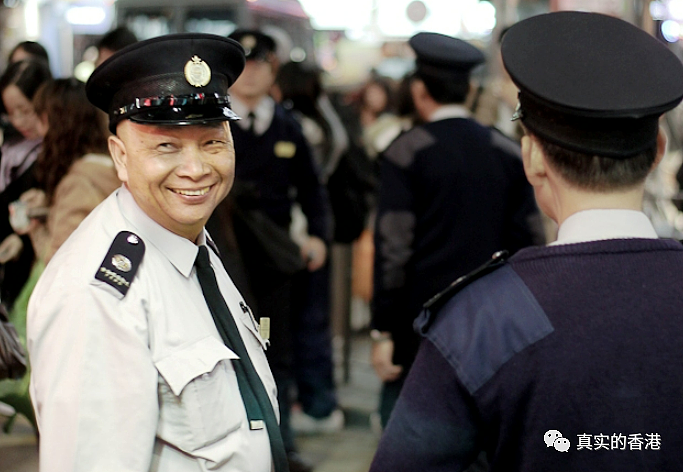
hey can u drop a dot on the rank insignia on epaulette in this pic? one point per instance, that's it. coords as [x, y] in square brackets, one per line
[122, 261]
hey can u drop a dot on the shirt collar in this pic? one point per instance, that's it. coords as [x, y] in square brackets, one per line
[263, 112]
[596, 225]
[180, 251]
[450, 111]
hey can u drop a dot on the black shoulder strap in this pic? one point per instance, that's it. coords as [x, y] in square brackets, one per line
[434, 304]
[122, 261]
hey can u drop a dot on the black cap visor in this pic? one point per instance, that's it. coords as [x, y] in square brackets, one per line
[179, 111]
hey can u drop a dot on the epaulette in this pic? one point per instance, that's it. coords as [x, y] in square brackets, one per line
[122, 261]
[434, 304]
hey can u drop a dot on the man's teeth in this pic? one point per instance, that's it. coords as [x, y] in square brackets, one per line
[193, 193]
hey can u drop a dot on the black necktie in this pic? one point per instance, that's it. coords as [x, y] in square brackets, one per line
[256, 400]
[252, 122]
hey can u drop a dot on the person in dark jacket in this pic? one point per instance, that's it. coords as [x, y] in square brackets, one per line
[451, 193]
[564, 358]
[274, 169]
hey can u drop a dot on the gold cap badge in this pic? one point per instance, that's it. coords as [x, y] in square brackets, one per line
[197, 72]
[248, 42]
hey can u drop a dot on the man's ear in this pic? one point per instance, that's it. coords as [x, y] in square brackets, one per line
[117, 149]
[661, 147]
[534, 161]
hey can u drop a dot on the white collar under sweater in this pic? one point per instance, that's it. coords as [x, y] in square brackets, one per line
[596, 225]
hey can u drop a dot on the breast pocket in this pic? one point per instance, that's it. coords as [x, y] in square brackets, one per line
[199, 401]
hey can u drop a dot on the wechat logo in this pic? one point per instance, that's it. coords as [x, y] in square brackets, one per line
[554, 438]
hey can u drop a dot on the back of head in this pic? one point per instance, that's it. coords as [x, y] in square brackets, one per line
[112, 42]
[117, 39]
[592, 89]
[27, 76]
[299, 86]
[444, 64]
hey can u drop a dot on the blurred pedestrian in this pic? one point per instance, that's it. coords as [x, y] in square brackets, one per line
[563, 357]
[114, 41]
[74, 173]
[28, 50]
[74, 169]
[274, 169]
[144, 354]
[300, 90]
[429, 230]
[18, 86]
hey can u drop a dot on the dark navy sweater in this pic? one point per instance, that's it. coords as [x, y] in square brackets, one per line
[585, 339]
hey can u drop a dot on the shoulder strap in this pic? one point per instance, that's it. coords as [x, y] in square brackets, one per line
[434, 304]
[122, 261]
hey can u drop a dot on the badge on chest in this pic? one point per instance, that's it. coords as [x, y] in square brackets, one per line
[284, 149]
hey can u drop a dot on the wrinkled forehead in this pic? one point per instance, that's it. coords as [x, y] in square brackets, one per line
[129, 130]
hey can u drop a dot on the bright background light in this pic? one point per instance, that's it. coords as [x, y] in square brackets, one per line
[347, 14]
[465, 18]
[671, 30]
[85, 15]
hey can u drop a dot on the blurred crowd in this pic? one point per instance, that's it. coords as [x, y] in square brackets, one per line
[277, 226]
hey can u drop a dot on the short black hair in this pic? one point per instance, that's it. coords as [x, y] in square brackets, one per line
[117, 39]
[598, 173]
[446, 89]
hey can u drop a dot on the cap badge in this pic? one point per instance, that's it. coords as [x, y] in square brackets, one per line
[197, 72]
[248, 43]
[122, 263]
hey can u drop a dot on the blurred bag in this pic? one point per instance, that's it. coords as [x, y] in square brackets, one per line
[12, 355]
[350, 189]
[261, 238]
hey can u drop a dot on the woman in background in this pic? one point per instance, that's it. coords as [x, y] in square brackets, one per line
[74, 174]
[73, 168]
[18, 85]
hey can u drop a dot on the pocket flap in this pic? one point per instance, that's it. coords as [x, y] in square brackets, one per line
[192, 361]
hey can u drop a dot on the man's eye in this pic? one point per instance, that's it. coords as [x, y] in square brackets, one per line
[215, 144]
[166, 147]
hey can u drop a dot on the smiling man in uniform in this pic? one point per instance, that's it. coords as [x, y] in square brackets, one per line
[144, 354]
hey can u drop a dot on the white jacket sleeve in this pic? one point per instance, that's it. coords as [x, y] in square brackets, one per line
[93, 382]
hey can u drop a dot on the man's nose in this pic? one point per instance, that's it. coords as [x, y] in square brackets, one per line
[193, 164]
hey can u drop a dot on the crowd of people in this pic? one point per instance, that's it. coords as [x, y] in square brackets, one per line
[166, 250]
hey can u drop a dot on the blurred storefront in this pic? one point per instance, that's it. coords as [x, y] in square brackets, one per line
[67, 28]
[347, 39]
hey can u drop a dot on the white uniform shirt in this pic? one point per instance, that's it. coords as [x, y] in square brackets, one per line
[596, 225]
[263, 114]
[142, 382]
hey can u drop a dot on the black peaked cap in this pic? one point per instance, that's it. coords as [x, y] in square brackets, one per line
[257, 45]
[175, 79]
[440, 55]
[590, 82]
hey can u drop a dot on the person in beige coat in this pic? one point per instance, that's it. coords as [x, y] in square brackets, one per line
[74, 167]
